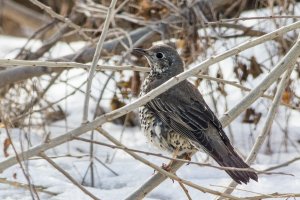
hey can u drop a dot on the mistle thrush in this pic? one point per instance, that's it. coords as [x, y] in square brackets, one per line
[179, 120]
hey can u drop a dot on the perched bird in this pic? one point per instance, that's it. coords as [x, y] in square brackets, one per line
[179, 120]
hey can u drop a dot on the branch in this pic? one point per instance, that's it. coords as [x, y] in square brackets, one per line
[68, 176]
[162, 171]
[177, 159]
[68, 65]
[290, 60]
[226, 119]
[275, 195]
[283, 164]
[67, 21]
[23, 73]
[22, 15]
[96, 59]
[230, 115]
[26, 186]
[52, 64]
[18, 74]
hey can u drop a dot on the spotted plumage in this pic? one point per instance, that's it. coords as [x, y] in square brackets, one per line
[179, 120]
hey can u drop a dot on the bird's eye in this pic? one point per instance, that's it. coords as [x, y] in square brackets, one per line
[159, 55]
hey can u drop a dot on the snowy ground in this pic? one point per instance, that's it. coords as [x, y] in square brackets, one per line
[132, 173]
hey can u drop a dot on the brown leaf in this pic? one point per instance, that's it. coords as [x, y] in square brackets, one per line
[135, 84]
[255, 68]
[124, 84]
[181, 44]
[6, 144]
[251, 116]
[287, 96]
[197, 82]
[241, 71]
[115, 103]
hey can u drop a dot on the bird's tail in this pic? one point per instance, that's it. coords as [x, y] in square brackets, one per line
[232, 159]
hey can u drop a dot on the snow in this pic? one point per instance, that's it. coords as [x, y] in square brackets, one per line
[131, 173]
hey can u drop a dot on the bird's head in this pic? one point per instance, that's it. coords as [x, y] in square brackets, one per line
[163, 60]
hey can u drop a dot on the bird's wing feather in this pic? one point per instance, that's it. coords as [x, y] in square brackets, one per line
[186, 112]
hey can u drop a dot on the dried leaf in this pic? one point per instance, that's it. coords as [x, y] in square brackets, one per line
[255, 68]
[181, 44]
[197, 82]
[6, 144]
[241, 71]
[135, 84]
[115, 103]
[287, 96]
[124, 84]
[251, 116]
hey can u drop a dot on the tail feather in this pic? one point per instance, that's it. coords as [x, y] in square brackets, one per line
[232, 159]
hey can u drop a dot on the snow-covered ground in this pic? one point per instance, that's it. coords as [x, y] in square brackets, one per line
[73, 156]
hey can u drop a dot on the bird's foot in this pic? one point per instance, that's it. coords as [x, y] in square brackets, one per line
[166, 167]
[188, 157]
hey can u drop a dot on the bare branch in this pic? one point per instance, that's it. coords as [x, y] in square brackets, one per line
[68, 176]
[226, 119]
[18, 74]
[67, 65]
[26, 186]
[61, 18]
[35, 63]
[22, 14]
[291, 61]
[160, 170]
[283, 164]
[177, 159]
[279, 69]
[96, 57]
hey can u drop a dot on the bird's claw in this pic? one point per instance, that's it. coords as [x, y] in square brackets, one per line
[166, 167]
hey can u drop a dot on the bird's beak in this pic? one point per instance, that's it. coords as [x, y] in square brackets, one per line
[140, 51]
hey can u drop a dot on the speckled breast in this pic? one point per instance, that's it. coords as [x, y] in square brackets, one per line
[158, 133]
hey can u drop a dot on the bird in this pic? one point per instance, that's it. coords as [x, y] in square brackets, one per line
[179, 121]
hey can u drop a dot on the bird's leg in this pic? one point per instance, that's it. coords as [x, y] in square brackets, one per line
[167, 167]
[188, 157]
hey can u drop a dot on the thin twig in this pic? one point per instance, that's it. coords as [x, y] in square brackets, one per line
[26, 186]
[278, 70]
[282, 164]
[96, 57]
[68, 176]
[160, 170]
[271, 114]
[253, 18]
[35, 63]
[178, 159]
[274, 195]
[61, 18]
[185, 191]
[104, 165]
[226, 119]
[14, 62]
